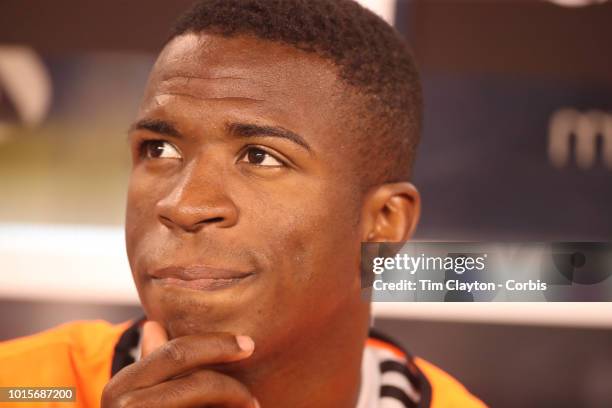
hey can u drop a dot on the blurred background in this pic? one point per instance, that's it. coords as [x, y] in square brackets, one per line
[517, 145]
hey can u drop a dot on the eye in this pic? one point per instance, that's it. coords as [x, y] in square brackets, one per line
[260, 157]
[159, 149]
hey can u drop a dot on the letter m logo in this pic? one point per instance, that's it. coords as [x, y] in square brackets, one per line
[570, 128]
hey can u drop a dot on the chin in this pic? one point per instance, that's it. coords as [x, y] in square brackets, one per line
[197, 314]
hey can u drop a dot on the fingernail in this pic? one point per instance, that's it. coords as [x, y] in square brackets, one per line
[256, 403]
[245, 343]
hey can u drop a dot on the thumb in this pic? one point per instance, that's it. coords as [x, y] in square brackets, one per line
[153, 336]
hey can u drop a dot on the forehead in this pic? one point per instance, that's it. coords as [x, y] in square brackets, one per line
[269, 80]
[268, 63]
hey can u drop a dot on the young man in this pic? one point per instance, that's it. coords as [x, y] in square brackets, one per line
[273, 138]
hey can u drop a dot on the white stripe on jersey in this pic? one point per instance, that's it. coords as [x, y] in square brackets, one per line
[390, 402]
[402, 382]
[372, 381]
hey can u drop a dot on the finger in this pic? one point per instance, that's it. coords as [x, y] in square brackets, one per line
[179, 356]
[153, 337]
[201, 388]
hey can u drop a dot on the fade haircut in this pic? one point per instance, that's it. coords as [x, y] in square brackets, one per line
[369, 55]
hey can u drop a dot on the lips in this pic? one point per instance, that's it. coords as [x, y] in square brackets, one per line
[199, 277]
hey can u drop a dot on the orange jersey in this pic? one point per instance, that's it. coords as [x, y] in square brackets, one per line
[77, 354]
[85, 355]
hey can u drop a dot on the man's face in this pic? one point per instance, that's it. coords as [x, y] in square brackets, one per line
[243, 174]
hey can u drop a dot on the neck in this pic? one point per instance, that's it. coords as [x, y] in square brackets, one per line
[322, 370]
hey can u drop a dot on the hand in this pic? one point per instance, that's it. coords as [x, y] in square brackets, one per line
[171, 373]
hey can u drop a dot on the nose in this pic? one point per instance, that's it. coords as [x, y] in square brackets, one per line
[198, 200]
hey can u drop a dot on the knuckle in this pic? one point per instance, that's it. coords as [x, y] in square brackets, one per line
[176, 392]
[107, 396]
[135, 400]
[174, 352]
[125, 401]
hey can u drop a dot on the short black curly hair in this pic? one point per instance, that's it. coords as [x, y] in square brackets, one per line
[370, 55]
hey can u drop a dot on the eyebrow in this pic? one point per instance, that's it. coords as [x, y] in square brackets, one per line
[252, 130]
[243, 130]
[156, 126]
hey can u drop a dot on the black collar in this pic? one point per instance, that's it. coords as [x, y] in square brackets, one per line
[122, 356]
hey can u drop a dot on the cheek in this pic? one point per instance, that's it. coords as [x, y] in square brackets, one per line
[141, 199]
[315, 263]
[318, 242]
[133, 211]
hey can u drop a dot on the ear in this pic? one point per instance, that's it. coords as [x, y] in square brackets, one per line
[390, 213]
